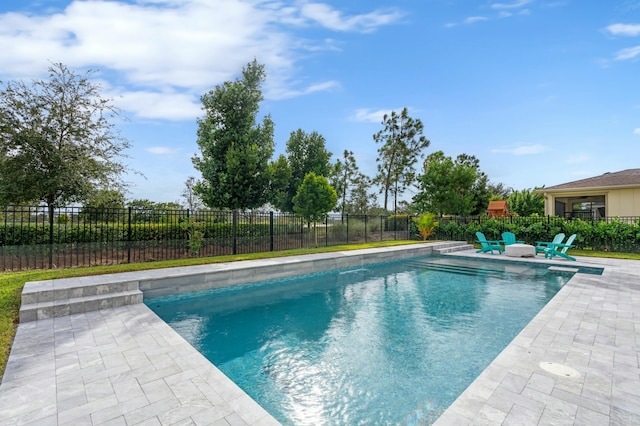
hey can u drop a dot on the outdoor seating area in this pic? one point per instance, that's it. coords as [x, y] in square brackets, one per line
[512, 247]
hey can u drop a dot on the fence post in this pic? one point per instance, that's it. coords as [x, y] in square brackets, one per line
[408, 230]
[271, 231]
[365, 228]
[234, 230]
[129, 235]
[347, 228]
[326, 231]
[51, 236]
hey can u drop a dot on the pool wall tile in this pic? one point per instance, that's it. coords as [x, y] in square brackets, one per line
[85, 294]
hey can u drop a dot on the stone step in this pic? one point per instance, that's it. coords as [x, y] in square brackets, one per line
[72, 288]
[56, 298]
[57, 308]
[453, 248]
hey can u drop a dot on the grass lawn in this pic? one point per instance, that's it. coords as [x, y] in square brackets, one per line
[11, 283]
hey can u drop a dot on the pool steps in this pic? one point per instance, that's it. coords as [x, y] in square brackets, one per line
[55, 298]
[451, 248]
[483, 270]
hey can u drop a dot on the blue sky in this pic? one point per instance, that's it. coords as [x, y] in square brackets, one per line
[542, 92]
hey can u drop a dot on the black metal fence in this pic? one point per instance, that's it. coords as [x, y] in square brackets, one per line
[36, 238]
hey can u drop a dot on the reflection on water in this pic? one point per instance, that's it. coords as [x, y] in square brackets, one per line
[392, 343]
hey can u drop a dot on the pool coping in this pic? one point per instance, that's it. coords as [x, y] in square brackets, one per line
[123, 365]
[591, 328]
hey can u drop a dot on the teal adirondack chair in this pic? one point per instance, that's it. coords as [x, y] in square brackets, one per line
[509, 238]
[541, 246]
[561, 249]
[488, 245]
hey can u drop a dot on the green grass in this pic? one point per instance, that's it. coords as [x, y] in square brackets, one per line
[11, 283]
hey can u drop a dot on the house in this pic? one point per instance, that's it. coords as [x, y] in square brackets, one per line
[614, 194]
[497, 208]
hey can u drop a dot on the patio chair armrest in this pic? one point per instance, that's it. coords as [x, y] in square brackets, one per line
[561, 246]
[543, 243]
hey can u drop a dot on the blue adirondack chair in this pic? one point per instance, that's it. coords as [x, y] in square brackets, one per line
[509, 238]
[488, 245]
[541, 246]
[560, 249]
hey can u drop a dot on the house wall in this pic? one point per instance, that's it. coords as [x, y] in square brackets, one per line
[618, 202]
[624, 202]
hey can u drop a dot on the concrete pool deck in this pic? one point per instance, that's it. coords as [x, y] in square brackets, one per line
[122, 365]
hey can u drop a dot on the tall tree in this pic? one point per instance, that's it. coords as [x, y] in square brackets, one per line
[280, 173]
[526, 202]
[362, 200]
[448, 186]
[306, 153]
[347, 174]
[402, 145]
[193, 201]
[104, 205]
[314, 199]
[58, 144]
[235, 151]
[499, 191]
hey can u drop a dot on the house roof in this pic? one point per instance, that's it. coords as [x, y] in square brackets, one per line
[497, 205]
[629, 177]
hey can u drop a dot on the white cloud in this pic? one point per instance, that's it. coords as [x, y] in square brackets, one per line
[628, 53]
[333, 19]
[370, 115]
[624, 29]
[474, 19]
[284, 91]
[163, 54]
[523, 150]
[636, 131]
[168, 106]
[161, 150]
[513, 5]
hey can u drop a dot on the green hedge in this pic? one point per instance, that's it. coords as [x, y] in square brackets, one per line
[62, 234]
[615, 235]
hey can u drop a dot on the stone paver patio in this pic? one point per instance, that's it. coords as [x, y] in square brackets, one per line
[576, 363]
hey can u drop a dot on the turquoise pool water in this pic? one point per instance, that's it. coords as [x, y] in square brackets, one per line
[392, 343]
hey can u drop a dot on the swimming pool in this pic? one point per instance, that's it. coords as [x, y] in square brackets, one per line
[387, 343]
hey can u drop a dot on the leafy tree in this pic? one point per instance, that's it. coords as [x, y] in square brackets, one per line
[104, 205]
[280, 173]
[306, 153]
[480, 189]
[347, 175]
[235, 152]
[143, 210]
[402, 146]
[193, 201]
[448, 186]
[57, 143]
[315, 199]
[362, 200]
[526, 202]
[106, 198]
[499, 191]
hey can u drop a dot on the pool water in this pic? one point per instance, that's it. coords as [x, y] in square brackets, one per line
[391, 343]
